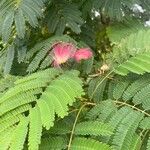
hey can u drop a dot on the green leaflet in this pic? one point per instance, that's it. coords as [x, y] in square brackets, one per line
[20, 23]
[88, 144]
[121, 30]
[35, 129]
[126, 130]
[61, 90]
[19, 135]
[139, 64]
[135, 90]
[132, 53]
[145, 123]
[102, 112]
[136, 142]
[9, 59]
[148, 144]
[6, 27]
[70, 16]
[19, 12]
[53, 143]
[93, 128]
[114, 8]
[96, 88]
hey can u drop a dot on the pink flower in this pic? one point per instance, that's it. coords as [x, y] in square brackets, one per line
[62, 52]
[83, 53]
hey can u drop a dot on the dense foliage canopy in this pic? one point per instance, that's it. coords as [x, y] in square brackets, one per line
[74, 75]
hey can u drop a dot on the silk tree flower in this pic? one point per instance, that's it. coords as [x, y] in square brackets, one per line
[83, 54]
[62, 52]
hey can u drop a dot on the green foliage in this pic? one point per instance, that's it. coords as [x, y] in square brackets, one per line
[136, 142]
[88, 144]
[63, 14]
[137, 91]
[102, 103]
[138, 64]
[53, 143]
[93, 85]
[148, 145]
[123, 137]
[54, 99]
[126, 112]
[136, 43]
[115, 9]
[19, 11]
[35, 128]
[131, 54]
[19, 135]
[102, 111]
[9, 59]
[145, 124]
[121, 30]
[93, 128]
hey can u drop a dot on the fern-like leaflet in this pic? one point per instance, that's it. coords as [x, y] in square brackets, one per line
[52, 91]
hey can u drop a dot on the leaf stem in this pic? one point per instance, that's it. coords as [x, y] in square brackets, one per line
[101, 83]
[123, 103]
[75, 122]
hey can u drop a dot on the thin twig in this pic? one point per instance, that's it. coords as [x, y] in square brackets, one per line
[75, 122]
[143, 137]
[73, 128]
[74, 110]
[101, 83]
[123, 103]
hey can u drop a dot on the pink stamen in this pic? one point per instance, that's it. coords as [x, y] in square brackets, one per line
[83, 54]
[62, 52]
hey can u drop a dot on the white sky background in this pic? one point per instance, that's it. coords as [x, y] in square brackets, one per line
[141, 10]
[137, 8]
